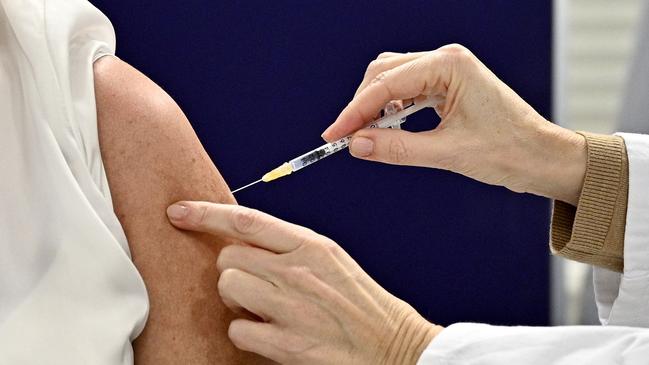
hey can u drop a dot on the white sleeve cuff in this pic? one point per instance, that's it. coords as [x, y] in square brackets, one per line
[624, 299]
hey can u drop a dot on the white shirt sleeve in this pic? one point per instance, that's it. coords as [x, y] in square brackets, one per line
[622, 300]
[69, 292]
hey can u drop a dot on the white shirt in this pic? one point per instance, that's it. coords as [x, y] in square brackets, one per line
[69, 292]
[622, 302]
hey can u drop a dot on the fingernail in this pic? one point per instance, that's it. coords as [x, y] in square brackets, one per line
[326, 132]
[177, 212]
[361, 147]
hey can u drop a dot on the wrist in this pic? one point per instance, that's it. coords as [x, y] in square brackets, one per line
[557, 163]
[414, 335]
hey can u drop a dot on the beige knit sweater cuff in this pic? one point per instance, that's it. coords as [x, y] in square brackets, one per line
[593, 232]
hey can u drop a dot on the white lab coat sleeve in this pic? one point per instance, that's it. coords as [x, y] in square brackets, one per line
[623, 299]
[473, 343]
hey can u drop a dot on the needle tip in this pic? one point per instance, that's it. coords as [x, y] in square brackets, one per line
[246, 186]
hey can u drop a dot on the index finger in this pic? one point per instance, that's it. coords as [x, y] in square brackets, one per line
[422, 76]
[249, 225]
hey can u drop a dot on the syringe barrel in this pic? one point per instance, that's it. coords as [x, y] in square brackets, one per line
[319, 153]
[391, 120]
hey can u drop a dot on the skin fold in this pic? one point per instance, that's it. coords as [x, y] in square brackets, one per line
[153, 158]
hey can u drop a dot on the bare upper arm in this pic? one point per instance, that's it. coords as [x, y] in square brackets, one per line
[153, 158]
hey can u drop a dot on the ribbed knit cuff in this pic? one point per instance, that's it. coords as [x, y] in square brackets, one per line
[593, 232]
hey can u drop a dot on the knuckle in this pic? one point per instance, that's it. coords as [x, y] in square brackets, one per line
[326, 248]
[322, 250]
[246, 221]
[311, 245]
[374, 68]
[203, 216]
[457, 52]
[397, 151]
[379, 78]
[330, 247]
[454, 48]
[300, 271]
[304, 237]
[298, 276]
[385, 55]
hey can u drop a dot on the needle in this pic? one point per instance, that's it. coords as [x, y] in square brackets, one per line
[243, 187]
[391, 119]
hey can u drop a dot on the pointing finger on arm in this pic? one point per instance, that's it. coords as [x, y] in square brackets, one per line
[323, 307]
[248, 225]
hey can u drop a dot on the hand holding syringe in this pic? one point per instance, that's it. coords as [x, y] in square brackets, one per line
[311, 157]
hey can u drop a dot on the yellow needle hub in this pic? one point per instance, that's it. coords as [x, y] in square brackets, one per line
[283, 170]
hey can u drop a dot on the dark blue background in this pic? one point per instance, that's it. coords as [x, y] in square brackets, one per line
[260, 80]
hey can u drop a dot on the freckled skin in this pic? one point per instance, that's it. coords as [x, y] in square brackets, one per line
[153, 158]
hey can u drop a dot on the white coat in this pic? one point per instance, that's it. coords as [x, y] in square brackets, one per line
[622, 302]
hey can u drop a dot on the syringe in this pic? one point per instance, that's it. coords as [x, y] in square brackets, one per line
[311, 157]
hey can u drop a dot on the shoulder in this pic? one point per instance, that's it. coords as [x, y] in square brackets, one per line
[143, 134]
[137, 119]
[122, 91]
